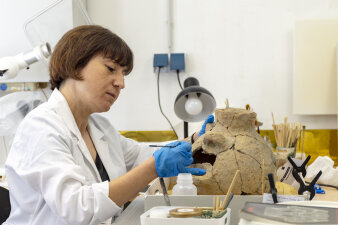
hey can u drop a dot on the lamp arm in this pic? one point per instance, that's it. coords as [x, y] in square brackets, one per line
[11, 65]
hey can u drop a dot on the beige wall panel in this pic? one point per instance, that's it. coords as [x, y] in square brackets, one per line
[315, 76]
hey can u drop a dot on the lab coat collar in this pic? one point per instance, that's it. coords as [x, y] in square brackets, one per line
[94, 131]
[101, 145]
[60, 104]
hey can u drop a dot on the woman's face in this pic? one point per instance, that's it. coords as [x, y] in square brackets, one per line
[102, 82]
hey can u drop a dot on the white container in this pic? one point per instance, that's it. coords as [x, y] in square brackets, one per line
[152, 199]
[184, 185]
[147, 220]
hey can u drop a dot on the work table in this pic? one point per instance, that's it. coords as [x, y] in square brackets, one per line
[131, 215]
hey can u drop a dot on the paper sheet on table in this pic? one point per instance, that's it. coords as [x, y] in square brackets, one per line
[267, 198]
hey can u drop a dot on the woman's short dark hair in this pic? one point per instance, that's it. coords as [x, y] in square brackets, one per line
[76, 48]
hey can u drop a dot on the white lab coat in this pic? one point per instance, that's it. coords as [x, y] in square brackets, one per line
[51, 175]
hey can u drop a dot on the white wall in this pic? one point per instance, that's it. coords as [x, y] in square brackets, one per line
[238, 49]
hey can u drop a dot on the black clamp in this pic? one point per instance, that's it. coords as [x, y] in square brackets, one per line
[273, 189]
[299, 169]
[311, 187]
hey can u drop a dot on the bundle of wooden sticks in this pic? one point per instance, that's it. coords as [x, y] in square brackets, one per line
[217, 203]
[286, 134]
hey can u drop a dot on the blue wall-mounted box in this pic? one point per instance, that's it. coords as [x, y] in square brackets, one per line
[177, 61]
[160, 60]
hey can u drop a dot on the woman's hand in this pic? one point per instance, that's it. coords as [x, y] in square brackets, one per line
[170, 161]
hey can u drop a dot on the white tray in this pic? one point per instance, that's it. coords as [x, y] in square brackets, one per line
[146, 220]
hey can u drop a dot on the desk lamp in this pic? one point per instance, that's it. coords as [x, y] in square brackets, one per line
[11, 65]
[194, 103]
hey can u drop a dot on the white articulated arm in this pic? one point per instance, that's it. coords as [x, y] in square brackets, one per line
[11, 65]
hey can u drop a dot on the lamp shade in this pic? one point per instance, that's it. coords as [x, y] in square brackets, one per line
[194, 103]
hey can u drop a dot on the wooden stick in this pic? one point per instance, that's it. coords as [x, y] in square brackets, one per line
[284, 130]
[217, 203]
[227, 103]
[230, 189]
[263, 186]
[290, 133]
[280, 136]
[275, 131]
[214, 203]
[273, 118]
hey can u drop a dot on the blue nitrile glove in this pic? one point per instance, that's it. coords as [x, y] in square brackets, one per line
[210, 119]
[169, 162]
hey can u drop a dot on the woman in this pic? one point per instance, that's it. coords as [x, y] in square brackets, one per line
[68, 165]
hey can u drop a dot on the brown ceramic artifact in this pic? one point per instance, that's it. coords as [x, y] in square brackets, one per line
[231, 144]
